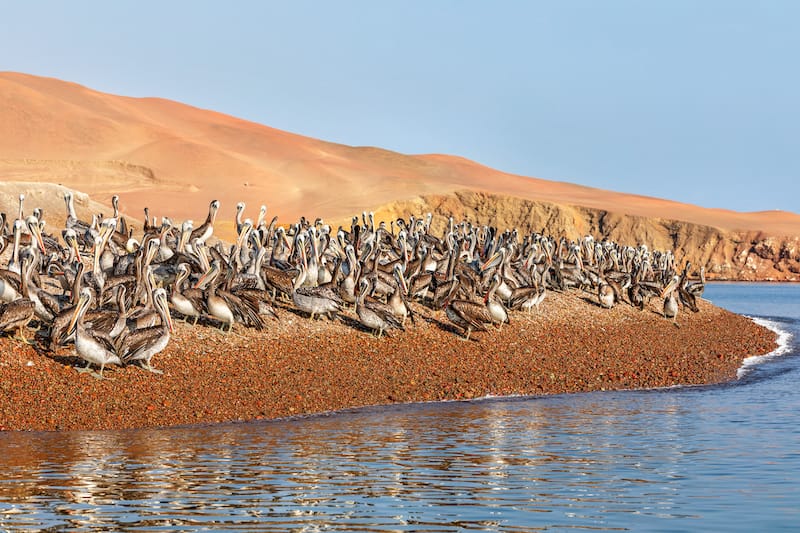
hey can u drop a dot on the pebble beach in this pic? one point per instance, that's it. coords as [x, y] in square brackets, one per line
[298, 367]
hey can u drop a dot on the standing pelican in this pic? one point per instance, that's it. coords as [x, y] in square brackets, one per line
[375, 315]
[605, 295]
[206, 229]
[92, 346]
[468, 315]
[670, 300]
[397, 300]
[17, 314]
[143, 343]
[496, 309]
[189, 302]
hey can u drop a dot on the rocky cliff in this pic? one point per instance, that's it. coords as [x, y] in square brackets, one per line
[726, 254]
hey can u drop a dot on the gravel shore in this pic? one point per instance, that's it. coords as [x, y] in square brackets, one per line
[298, 366]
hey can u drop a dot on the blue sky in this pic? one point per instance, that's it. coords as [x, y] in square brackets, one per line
[696, 101]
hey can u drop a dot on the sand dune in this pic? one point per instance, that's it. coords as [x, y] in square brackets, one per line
[61, 132]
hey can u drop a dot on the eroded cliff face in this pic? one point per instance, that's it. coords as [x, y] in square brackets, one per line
[726, 254]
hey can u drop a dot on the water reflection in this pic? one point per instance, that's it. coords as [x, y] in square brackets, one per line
[475, 465]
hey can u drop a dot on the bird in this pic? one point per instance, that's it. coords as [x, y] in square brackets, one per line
[496, 309]
[17, 315]
[188, 302]
[143, 343]
[376, 316]
[670, 309]
[94, 347]
[468, 315]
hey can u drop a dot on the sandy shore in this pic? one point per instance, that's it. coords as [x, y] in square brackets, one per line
[298, 366]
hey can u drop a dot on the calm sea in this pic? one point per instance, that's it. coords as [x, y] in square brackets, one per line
[718, 458]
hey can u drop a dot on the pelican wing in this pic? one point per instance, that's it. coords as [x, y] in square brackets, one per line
[244, 308]
[472, 313]
[138, 341]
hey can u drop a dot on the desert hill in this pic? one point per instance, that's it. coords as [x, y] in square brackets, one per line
[174, 159]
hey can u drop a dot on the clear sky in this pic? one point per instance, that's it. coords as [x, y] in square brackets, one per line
[696, 101]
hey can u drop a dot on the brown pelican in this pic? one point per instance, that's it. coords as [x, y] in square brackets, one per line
[188, 302]
[606, 295]
[46, 305]
[496, 309]
[348, 286]
[225, 306]
[527, 298]
[206, 229]
[468, 315]
[10, 285]
[696, 288]
[374, 315]
[92, 346]
[397, 300]
[670, 300]
[81, 227]
[313, 300]
[239, 223]
[17, 314]
[13, 262]
[58, 331]
[143, 343]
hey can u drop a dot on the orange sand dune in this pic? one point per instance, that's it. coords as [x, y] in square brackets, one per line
[176, 158]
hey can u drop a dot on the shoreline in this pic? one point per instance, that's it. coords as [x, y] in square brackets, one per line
[297, 367]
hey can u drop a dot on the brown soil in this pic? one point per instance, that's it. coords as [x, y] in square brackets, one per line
[298, 366]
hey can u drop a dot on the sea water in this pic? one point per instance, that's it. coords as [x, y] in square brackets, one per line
[714, 458]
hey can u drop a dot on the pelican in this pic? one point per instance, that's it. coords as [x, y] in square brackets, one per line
[696, 288]
[225, 306]
[92, 346]
[670, 301]
[73, 222]
[17, 314]
[468, 315]
[313, 300]
[189, 303]
[397, 300]
[606, 295]
[496, 309]
[206, 229]
[374, 315]
[143, 343]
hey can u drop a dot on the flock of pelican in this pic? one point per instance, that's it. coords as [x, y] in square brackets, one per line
[113, 296]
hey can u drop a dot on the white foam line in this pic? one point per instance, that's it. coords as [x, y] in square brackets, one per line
[783, 341]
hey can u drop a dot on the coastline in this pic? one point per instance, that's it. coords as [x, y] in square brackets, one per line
[300, 367]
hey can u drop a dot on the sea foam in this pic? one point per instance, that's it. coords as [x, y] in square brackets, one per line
[783, 341]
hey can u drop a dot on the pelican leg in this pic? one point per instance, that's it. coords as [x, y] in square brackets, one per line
[85, 369]
[21, 335]
[147, 366]
[100, 375]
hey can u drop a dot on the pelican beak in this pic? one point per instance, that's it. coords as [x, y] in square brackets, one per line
[402, 280]
[151, 250]
[74, 244]
[204, 277]
[37, 233]
[166, 312]
[82, 302]
[491, 261]
[669, 288]
[246, 228]
[182, 239]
